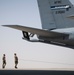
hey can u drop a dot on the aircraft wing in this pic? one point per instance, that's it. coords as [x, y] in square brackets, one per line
[39, 32]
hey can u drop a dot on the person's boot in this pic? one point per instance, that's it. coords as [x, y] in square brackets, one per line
[16, 67]
[3, 66]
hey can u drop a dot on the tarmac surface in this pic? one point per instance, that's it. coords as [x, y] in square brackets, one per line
[36, 72]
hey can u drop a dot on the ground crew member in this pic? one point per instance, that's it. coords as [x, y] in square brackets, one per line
[16, 60]
[4, 61]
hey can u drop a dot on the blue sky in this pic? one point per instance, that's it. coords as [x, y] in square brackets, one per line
[25, 12]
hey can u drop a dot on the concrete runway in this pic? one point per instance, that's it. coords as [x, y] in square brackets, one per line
[35, 72]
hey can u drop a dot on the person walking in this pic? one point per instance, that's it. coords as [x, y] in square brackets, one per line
[4, 61]
[16, 60]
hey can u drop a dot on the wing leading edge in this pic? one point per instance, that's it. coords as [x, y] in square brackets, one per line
[40, 32]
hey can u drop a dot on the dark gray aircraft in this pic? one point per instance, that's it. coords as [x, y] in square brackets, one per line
[57, 23]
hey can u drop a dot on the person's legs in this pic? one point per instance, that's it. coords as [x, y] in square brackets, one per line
[16, 64]
[4, 64]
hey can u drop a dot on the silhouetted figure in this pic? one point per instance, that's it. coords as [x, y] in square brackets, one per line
[16, 60]
[4, 61]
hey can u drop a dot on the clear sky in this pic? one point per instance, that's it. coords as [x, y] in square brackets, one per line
[31, 55]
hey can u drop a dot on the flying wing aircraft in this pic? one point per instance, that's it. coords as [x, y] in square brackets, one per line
[57, 25]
